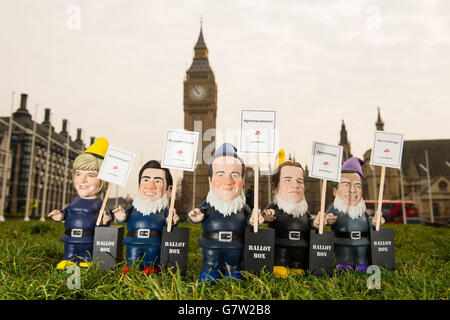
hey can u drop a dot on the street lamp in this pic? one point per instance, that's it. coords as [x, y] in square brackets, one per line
[427, 170]
[374, 181]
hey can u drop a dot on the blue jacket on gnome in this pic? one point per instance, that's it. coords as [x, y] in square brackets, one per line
[146, 218]
[136, 220]
[81, 214]
[224, 216]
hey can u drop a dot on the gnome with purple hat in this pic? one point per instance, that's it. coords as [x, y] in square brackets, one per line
[349, 220]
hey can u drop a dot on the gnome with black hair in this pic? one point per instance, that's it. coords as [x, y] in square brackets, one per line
[146, 218]
[349, 220]
[224, 216]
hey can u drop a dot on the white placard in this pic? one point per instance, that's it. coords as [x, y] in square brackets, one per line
[387, 150]
[326, 161]
[180, 150]
[116, 166]
[257, 131]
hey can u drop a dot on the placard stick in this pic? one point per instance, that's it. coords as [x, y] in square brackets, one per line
[379, 213]
[256, 196]
[105, 200]
[172, 198]
[322, 206]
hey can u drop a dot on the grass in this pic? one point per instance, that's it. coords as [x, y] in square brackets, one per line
[30, 251]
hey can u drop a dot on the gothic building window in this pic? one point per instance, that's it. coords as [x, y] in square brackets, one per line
[443, 186]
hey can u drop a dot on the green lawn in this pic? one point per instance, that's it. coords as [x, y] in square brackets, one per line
[30, 251]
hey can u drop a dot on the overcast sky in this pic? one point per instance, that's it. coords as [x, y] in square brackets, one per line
[115, 68]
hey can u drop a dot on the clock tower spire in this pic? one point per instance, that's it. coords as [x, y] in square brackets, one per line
[200, 113]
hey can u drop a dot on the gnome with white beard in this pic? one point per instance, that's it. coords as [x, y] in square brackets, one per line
[146, 218]
[350, 222]
[288, 215]
[224, 216]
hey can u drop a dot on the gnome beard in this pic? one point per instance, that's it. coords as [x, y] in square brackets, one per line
[296, 209]
[149, 207]
[226, 207]
[353, 212]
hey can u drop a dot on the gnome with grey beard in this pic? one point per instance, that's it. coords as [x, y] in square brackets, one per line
[224, 217]
[349, 220]
[288, 215]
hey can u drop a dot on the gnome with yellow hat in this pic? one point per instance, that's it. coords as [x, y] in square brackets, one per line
[80, 216]
[288, 215]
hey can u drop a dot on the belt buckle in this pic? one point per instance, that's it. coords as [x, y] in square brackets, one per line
[76, 233]
[355, 235]
[294, 235]
[143, 233]
[225, 236]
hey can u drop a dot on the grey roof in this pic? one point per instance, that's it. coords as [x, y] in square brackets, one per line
[200, 42]
[199, 65]
[438, 154]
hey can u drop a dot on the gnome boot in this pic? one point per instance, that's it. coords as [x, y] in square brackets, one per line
[85, 264]
[342, 267]
[210, 276]
[125, 270]
[150, 270]
[233, 275]
[298, 272]
[280, 272]
[64, 264]
[361, 267]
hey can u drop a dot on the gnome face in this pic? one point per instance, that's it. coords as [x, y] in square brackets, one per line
[350, 189]
[291, 185]
[86, 183]
[226, 181]
[153, 184]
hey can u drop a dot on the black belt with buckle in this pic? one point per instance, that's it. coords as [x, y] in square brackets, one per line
[354, 235]
[222, 236]
[144, 233]
[78, 233]
[292, 234]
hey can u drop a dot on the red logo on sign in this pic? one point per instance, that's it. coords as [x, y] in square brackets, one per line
[325, 163]
[115, 167]
[258, 133]
[387, 150]
[180, 151]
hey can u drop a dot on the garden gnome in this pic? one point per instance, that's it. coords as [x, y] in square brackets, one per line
[146, 218]
[80, 216]
[349, 220]
[288, 215]
[224, 216]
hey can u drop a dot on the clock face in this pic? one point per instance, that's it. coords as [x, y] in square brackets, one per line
[198, 92]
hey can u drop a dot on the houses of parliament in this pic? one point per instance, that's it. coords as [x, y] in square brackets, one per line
[200, 107]
[200, 104]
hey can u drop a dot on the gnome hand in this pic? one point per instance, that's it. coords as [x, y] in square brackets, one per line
[119, 213]
[106, 218]
[330, 218]
[175, 217]
[269, 215]
[316, 222]
[196, 215]
[56, 215]
[374, 220]
[256, 213]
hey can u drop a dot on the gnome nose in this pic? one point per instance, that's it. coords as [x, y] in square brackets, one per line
[228, 180]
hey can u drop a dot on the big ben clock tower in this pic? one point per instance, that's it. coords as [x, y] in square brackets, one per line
[200, 112]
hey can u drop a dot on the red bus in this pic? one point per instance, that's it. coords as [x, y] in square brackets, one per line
[392, 210]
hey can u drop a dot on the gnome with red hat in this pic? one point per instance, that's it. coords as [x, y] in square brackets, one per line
[349, 220]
